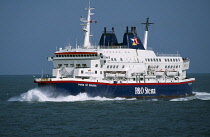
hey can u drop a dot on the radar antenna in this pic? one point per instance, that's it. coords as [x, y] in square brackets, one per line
[146, 32]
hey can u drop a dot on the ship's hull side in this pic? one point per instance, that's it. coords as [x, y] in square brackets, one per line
[131, 90]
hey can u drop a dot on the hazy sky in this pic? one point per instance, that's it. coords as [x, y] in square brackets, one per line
[31, 30]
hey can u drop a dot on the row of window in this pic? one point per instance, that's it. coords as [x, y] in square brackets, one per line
[115, 66]
[153, 60]
[172, 60]
[114, 59]
[159, 60]
[172, 66]
[78, 55]
[72, 65]
[116, 52]
[166, 66]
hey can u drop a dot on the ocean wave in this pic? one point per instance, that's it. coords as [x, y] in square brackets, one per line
[197, 96]
[40, 95]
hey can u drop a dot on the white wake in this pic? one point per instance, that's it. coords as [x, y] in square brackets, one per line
[38, 95]
[198, 96]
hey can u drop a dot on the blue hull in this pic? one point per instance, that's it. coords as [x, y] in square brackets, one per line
[135, 90]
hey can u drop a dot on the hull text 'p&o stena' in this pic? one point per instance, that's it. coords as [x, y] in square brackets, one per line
[113, 69]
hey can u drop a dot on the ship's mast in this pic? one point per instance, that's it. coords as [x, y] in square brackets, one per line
[86, 27]
[146, 33]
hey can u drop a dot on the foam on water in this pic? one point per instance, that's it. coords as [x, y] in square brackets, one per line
[43, 96]
[198, 95]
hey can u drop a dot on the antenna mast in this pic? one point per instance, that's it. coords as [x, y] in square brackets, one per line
[146, 33]
[86, 27]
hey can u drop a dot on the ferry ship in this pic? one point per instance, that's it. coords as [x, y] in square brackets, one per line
[112, 69]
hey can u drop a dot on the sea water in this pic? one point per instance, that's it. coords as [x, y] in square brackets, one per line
[26, 110]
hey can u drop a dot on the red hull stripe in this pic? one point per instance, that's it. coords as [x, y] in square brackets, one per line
[99, 83]
[75, 53]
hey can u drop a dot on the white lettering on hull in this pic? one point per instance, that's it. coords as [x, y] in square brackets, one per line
[87, 85]
[144, 90]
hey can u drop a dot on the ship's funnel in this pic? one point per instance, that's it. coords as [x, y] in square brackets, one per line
[131, 39]
[108, 38]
